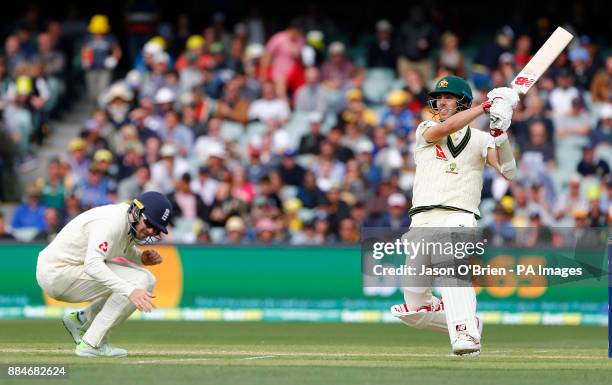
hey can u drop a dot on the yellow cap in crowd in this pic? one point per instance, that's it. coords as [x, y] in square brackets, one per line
[99, 25]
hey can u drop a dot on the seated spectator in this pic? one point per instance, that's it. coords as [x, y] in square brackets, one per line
[53, 192]
[600, 86]
[581, 66]
[235, 231]
[450, 56]
[589, 166]
[53, 226]
[337, 70]
[174, 132]
[4, 234]
[602, 134]
[30, 213]
[576, 122]
[205, 186]
[397, 215]
[357, 112]
[570, 200]
[348, 233]
[382, 53]
[77, 160]
[185, 203]
[134, 185]
[232, 105]
[117, 105]
[94, 190]
[169, 167]
[311, 97]
[538, 143]
[270, 108]
[266, 231]
[501, 232]
[290, 171]
[242, 188]
[561, 97]
[311, 142]
[398, 118]
[309, 193]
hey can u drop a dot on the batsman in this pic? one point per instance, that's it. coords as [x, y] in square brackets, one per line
[95, 258]
[450, 157]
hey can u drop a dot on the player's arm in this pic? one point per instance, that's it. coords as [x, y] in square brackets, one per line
[454, 123]
[502, 157]
[101, 239]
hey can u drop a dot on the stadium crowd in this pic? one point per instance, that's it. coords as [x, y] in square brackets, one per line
[296, 136]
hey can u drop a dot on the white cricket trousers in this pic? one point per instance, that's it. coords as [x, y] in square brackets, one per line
[107, 309]
[459, 302]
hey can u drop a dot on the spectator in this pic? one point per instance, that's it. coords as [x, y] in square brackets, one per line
[570, 200]
[398, 118]
[291, 172]
[270, 109]
[357, 111]
[383, 52]
[53, 192]
[348, 232]
[562, 96]
[575, 123]
[242, 189]
[311, 97]
[583, 71]
[77, 160]
[232, 105]
[169, 167]
[30, 213]
[337, 70]
[588, 166]
[134, 185]
[311, 142]
[522, 51]
[282, 51]
[450, 57]
[205, 186]
[397, 215]
[600, 86]
[501, 232]
[235, 230]
[99, 56]
[185, 203]
[94, 190]
[539, 144]
[417, 38]
[175, 133]
[266, 231]
[602, 134]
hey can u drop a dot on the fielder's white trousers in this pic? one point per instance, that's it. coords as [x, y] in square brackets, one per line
[107, 309]
[459, 302]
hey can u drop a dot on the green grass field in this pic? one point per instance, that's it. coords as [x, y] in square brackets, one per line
[299, 353]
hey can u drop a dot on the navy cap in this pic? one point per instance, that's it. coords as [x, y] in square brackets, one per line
[157, 209]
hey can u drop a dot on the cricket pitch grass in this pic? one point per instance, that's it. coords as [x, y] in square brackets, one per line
[237, 353]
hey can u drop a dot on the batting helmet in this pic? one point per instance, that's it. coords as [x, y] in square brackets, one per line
[453, 85]
[155, 207]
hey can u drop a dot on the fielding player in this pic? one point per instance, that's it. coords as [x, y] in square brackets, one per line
[94, 258]
[450, 157]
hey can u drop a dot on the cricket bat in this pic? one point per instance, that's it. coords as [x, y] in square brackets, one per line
[540, 62]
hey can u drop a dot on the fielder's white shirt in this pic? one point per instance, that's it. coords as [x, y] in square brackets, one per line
[449, 171]
[92, 239]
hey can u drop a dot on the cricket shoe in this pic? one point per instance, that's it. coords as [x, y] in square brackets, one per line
[466, 345]
[73, 326]
[83, 349]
